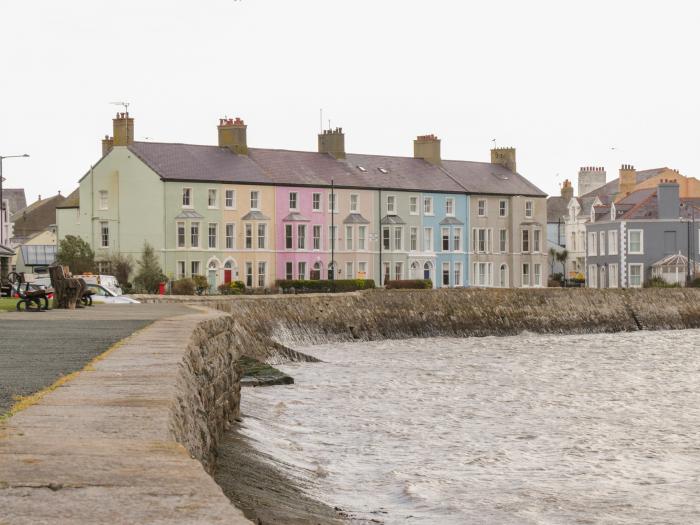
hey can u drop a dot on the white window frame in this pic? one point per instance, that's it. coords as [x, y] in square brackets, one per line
[592, 276]
[398, 238]
[301, 270]
[601, 243]
[413, 239]
[537, 275]
[301, 236]
[354, 202]
[536, 240]
[230, 195]
[592, 246]
[391, 204]
[362, 237]
[641, 242]
[445, 272]
[181, 269]
[348, 237]
[333, 202]
[428, 241]
[178, 224]
[288, 236]
[293, 201]
[316, 239]
[215, 193]
[503, 240]
[349, 270]
[428, 206]
[195, 267]
[457, 275]
[525, 271]
[103, 200]
[449, 206]
[316, 202]
[255, 200]
[230, 245]
[529, 209]
[613, 276]
[216, 236]
[445, 233]
[262, 273]
[612, 242]
[187, 195]
[641, 274]
[457, 245]
[248, 236]
[261, 239]
[481, 211]
[289, 270]
[195, 233]
[413, 205]
[104, 234]
[503, 210]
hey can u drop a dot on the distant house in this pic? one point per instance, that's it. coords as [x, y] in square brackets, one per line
[13, 201]
[34, 219]
[648, 233]
[37, 253]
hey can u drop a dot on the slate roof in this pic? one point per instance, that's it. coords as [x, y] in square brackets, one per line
[189, 214]
[611, 187]
[557, 207]
[355, 218]
[393, 219]
[492, 179]
[37, 216]
[295, 217]
[204, 163]
[255, 216]
[6, 251]
[16, 200]
[72, 201]
[451, 221]
[198, 163]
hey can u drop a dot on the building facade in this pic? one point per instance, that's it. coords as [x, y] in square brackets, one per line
[230, 212]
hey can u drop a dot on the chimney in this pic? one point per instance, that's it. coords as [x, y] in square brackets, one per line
[505, 157]
[567, 190]
[427, 147]
[627, 181]
[668, 199]
[107, 145]
[123, 126]
[332, 141]
[232, 135]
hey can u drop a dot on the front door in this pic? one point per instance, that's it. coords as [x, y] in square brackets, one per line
[212, 280]
[227, 276]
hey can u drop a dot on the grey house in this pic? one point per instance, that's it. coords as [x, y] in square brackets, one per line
[632, 240]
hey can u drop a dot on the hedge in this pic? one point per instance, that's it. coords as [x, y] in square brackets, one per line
[418, 284]
[336, 285]
[183, 287]
[232, 288]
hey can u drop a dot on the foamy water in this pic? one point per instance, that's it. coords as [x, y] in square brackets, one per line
[502, 430]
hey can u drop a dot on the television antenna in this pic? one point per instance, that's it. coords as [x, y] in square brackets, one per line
[124, 104]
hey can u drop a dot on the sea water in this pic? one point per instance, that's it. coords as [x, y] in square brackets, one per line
[528, 429]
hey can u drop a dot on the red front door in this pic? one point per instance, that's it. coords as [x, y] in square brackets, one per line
[227, 276]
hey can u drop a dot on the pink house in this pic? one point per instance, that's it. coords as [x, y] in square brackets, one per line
[303, 229]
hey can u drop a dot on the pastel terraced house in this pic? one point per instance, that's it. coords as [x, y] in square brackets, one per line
[230, 212]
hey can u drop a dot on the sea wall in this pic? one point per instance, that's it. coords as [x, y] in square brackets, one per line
[267, 326]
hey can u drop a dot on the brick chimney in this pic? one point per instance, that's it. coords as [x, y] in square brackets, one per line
[668, 199]
[123, 126]
[107, 145]
[505, 157]
[627, 181]
[232, 135]
[427, 147]
[332, 141]
[567, 190]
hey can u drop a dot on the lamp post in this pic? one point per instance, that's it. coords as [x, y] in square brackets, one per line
[2, 202]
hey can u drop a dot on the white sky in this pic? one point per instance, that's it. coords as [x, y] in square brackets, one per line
[564, 82]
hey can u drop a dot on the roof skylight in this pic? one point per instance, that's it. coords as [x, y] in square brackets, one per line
[383, 170]
[362, 168]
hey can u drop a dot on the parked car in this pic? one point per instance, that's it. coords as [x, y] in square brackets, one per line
[102, 294]
[32, 286]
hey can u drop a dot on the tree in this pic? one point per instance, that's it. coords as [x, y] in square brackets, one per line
[552, 260]
[149, 274]
[121, 267]
[562, 256]
[75, 253]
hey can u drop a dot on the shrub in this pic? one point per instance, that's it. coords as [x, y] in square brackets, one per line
[75, 253]
[415, 284]
[658, 282]
[326, 286]
[232, 288]
[200, 283]
[695, 283]
[183, 287]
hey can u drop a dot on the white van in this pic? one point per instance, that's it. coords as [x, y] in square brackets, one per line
[108, 281]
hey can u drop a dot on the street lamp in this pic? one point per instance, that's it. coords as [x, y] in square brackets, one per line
[2, 202]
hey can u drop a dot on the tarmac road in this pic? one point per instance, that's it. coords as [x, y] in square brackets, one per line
[37, 348]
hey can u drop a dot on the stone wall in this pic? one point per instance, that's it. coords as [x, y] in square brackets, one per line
[267, 326]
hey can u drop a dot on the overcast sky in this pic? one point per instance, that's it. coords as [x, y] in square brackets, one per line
[563, 82]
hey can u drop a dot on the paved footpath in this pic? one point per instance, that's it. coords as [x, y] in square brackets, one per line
[37, 348]
[98, 450]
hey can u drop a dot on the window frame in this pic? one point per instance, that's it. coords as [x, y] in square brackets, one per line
[211, 206]
[177, 234]
[103, 200]
[428, 208]
[232, 206]
[189, 192]
[641, 241]
[481, 211]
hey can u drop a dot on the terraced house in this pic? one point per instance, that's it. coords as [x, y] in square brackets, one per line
[231, 212]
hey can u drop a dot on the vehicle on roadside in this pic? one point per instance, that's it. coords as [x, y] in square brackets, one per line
[31, 287]
[108, 281]
[102, 294]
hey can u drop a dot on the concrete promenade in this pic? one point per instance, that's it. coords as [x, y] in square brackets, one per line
[37, 348]
[98, 449]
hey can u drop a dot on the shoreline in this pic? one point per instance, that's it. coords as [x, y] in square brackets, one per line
[256, 484]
